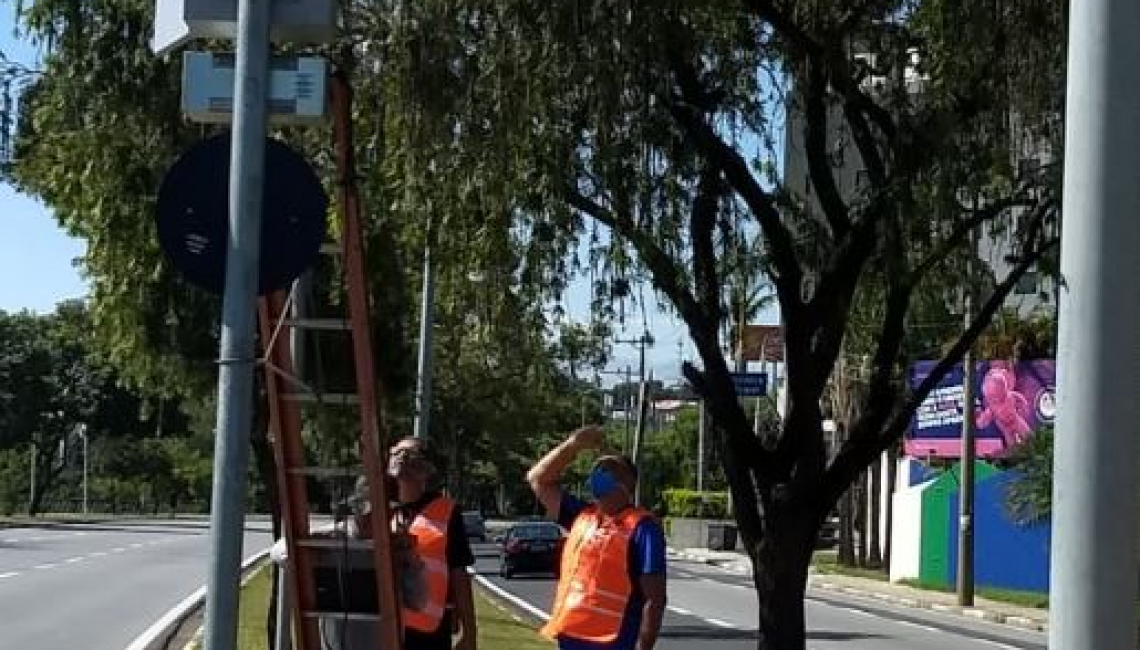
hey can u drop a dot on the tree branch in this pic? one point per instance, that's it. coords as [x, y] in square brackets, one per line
[868, 147]
[722, 156]
[702, 223]
[878, 428]
[817, 135]
[664, 272]
[959, 234]
[766, 10]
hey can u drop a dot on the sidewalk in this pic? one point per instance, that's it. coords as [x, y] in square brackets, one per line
[895, 594]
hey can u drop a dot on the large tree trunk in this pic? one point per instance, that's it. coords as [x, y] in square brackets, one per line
[846, 551]
[780, 569]
[874, 497]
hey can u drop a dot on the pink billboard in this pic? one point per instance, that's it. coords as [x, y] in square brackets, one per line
[1011, 401]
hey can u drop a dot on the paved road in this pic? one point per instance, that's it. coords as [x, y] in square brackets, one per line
[98, 586]
[710, 608]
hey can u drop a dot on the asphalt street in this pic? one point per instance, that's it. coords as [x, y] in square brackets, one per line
[98, 586]
[712, 608]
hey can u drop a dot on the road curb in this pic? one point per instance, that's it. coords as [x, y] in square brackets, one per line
[816, 581]
[159, 633]
[976, 613]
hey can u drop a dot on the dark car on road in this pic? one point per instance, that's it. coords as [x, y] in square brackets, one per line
[531, 547]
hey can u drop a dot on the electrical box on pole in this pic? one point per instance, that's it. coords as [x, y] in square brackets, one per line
[177, 22]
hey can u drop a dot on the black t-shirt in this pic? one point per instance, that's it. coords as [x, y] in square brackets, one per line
[459, 556]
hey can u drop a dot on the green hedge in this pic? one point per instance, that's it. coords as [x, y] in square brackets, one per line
[700, 505]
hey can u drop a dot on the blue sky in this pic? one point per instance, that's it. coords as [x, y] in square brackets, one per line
[37, 268]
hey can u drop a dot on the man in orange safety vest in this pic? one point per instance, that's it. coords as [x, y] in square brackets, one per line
[612, 585]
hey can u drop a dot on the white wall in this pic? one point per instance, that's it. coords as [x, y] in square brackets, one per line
[906, 538]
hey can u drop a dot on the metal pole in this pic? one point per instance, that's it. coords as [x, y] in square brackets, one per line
[1094, 564]
[283, 637]
[84, 434]
[628, 407]
[966, 473]
[427, 316]
[32, 478]
[235, 375]
[638, 438]
[702, 424]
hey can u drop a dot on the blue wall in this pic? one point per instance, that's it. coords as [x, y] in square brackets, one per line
[1006, 555]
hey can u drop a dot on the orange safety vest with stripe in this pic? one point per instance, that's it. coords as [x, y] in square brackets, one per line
[594, 586]
[429, 527]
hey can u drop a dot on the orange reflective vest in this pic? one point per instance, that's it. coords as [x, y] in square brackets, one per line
[594, 586]
[430, 530]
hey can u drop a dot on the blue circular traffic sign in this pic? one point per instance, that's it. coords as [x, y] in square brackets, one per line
[193, 210]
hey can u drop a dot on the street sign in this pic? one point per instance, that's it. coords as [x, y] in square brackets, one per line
[763, 343]
[291, 21]
[193, 210]
[750, 384]
[297, 88]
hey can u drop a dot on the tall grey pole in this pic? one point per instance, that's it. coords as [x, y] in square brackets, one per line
[639, 437]
[235, 374]
[32, 476]
[628, 446]
[283, 637]
[83, 433]
[702, 425]
[1093, 565]
[424, 371]
[965, 580]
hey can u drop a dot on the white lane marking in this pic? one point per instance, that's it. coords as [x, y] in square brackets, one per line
[178, 612]
[719, 623]
[10, 540]
[136, 545]
[509, 597]
[46, 566]
[118, 549]
[998, 644]
[857, 612]
[918, 626]
[98, 553]
[10, 574]
[679, 610]
[73, 560]
[80, 534]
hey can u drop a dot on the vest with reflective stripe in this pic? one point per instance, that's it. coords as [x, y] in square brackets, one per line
[430, 530]
[594, 587]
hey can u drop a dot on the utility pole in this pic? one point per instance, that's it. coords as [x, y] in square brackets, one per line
[425, 368]
[83, 434]
[702, 424]
[1094, 559]
[639, 437]
[32, 477]
[643, 341]
[966, 473]
[236, 360]
[628, 407]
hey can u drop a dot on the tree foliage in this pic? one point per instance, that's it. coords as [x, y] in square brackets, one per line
[527, 141]
[1029, 497]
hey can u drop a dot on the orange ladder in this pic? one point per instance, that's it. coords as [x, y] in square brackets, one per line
[288, 395]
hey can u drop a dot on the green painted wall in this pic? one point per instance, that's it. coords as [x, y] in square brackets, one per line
[934, 562]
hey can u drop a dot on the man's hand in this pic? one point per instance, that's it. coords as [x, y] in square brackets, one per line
[590, 437]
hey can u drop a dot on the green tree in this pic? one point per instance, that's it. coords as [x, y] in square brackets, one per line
[647, 124]
[1029, 498]
[530, 130]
